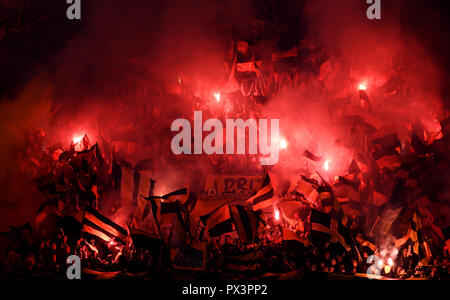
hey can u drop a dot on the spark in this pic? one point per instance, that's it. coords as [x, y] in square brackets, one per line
[283, 144]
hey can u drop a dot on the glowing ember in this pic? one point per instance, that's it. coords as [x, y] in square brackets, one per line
[283, 144]
[217, 96]
[362, 87]
[326, 165]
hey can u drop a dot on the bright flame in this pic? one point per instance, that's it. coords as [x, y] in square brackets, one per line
[390, 262]
[362, 87]
[217, 96]
[380, 263]
[277, 215]
[283, 144]
[326, 165]
[77, 139]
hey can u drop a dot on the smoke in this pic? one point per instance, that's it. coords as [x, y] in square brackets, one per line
[110, 76]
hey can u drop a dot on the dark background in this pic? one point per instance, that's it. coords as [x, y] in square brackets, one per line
[43, 29]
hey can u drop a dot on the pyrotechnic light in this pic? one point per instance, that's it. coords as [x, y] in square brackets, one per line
[380, 263]
[326, 165]
[362, 87]
[217, 96]
[77, 139]
[390, 262]
[277, 215]
[283, 144]
[112, 243]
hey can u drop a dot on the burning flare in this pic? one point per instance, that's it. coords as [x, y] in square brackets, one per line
[362, 87]
[217, 96]
[77, 139]
[283, 144]
[326, 165]
[277, 215]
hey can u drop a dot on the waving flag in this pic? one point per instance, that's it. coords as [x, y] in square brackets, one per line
[96, 224]
[247, 222]
[218, 221]
[265, 196]
[324, 228]
[386, 151]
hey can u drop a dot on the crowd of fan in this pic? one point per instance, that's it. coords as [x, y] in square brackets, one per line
[279, 257]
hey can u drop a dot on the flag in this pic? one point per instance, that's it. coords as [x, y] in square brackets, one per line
[384, 221]
[357, 120]
[386, 151]
[169, 209]
[247, 223]
[378, 198]
[290, 239]
[96, 224]
[83, 159]
[218, 221]
[353, 168]
[304, 188]
[347, 188]
[180, 195]
[420, 245]
[145, 240]
[324, 228]
[409, 174]
[265, 196]
[130, 182]
[369, 247]
[329, 202]
[417, 239]
[311, 156]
